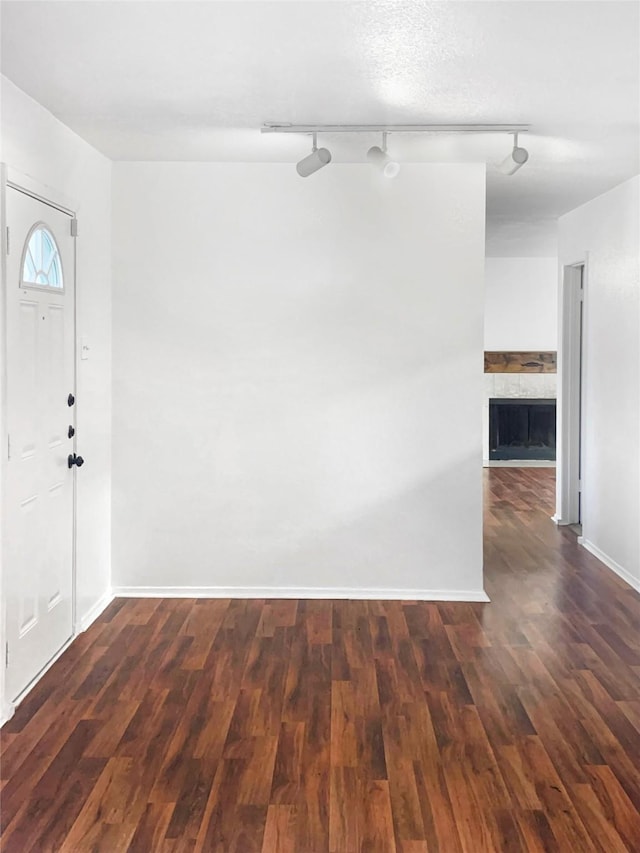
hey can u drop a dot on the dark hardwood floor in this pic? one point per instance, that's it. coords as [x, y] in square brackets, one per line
[182, 725]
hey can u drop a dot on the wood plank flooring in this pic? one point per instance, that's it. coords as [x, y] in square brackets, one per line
[301, 726]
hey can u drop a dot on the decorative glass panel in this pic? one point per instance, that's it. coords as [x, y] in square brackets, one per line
[42, 265]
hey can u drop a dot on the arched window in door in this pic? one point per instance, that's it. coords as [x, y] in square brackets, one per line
[41, 263]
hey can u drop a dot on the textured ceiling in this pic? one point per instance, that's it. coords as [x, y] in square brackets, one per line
[194, 81]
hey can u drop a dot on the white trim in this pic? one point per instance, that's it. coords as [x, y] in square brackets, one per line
[8, 708]
[560, 522]
[42, 192]
[569, 411]
[341, 592]
[74, 446]
[633, 582]
[7, 711]
[92, 614]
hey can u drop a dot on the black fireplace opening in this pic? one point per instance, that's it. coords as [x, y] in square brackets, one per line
[522, 429]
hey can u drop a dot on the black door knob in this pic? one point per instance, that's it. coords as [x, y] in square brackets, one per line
[72, 460]
[70, 400]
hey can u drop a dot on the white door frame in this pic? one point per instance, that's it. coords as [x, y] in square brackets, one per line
[11, 178]
[572, 370]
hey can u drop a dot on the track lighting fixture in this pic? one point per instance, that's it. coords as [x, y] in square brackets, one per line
[515, 160]
[378, 155]
[379, 158]
[318, 158]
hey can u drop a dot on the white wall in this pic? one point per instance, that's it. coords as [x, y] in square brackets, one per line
[511, 236]
[37, 144]
[521, 304]
[297, 378]
[606, 232]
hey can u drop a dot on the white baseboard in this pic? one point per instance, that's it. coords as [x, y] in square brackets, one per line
[298, 592]
[634, 583]
[7, 709]
[90, 617]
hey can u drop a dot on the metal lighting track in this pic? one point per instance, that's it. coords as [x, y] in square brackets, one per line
[273, 127]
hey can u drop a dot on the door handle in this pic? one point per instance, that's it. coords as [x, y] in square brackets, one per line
[72, 460]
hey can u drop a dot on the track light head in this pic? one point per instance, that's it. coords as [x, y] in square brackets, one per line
[314, 161]
[515, 159]
[379, 158]
[318, 158]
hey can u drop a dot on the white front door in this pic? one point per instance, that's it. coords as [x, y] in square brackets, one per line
[38, 506]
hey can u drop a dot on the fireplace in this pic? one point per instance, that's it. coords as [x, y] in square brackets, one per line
[522, 428]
